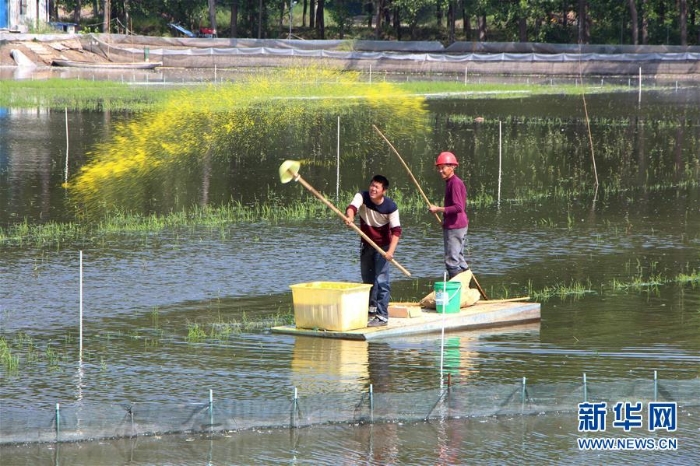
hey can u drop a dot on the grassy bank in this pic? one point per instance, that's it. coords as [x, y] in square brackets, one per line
[85, 95]
[77, 94]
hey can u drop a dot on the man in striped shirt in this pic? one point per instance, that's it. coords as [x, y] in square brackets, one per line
[379, 220]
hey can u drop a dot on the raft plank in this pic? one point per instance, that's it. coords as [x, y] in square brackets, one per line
[480, 315]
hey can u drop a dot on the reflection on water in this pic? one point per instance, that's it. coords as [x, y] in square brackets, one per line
[315, 360]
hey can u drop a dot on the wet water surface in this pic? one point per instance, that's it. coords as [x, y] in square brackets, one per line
[143, 292]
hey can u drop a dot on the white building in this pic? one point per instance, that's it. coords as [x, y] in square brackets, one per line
[23, 15]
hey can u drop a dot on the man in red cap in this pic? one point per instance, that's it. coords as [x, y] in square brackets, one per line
[454, 214]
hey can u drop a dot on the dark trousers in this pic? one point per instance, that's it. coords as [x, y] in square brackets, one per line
[375, 271]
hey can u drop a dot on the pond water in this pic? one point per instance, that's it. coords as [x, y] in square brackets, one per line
[626, 246]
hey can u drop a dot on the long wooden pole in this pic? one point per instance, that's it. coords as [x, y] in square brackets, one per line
[476, 282]
[409, 172]
[490, 301]
[369, 241]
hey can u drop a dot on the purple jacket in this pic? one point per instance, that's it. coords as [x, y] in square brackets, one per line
[455, 215]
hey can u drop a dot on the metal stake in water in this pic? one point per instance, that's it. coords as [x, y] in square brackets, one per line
[500, 160]
[80, 338]
[211, 409]
[656, 386]
[65, 179]
[337, 166]
[585, 389]
[371, 403]
[294, 409]
[58, 420]
[442, 334]
[522, 392]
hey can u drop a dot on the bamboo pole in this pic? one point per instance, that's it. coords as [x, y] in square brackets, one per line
[409, 172]
[490, 301]
[476, 282]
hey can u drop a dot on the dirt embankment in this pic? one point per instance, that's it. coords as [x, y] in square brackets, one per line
[43, 50]
[43, 53]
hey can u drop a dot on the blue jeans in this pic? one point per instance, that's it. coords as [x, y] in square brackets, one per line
[375, 271]
[454, 250]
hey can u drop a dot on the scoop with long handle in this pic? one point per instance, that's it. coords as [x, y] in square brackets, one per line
[289, 170]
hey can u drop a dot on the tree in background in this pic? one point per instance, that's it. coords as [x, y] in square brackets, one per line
[633, 20]
[378, 10]
[683, 18]
[583, 23]
[342, 12]
[212, 15]
[77, 7]
[106, 15]
[550, 21]
[320, 22]
[413, 11]
[482, 9]
[234, 19]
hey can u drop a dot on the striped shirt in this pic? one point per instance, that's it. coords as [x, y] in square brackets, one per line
[378, 222]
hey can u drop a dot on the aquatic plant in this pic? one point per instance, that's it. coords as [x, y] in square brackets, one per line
[195, 126]
[645, 280]
[195, 333]
[52, 356]
[692, 278]
[575, 289]
[155, 317]
[7, 359]
[223, 330]
[216, 219]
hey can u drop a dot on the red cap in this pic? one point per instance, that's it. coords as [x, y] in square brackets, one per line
[446, 158]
